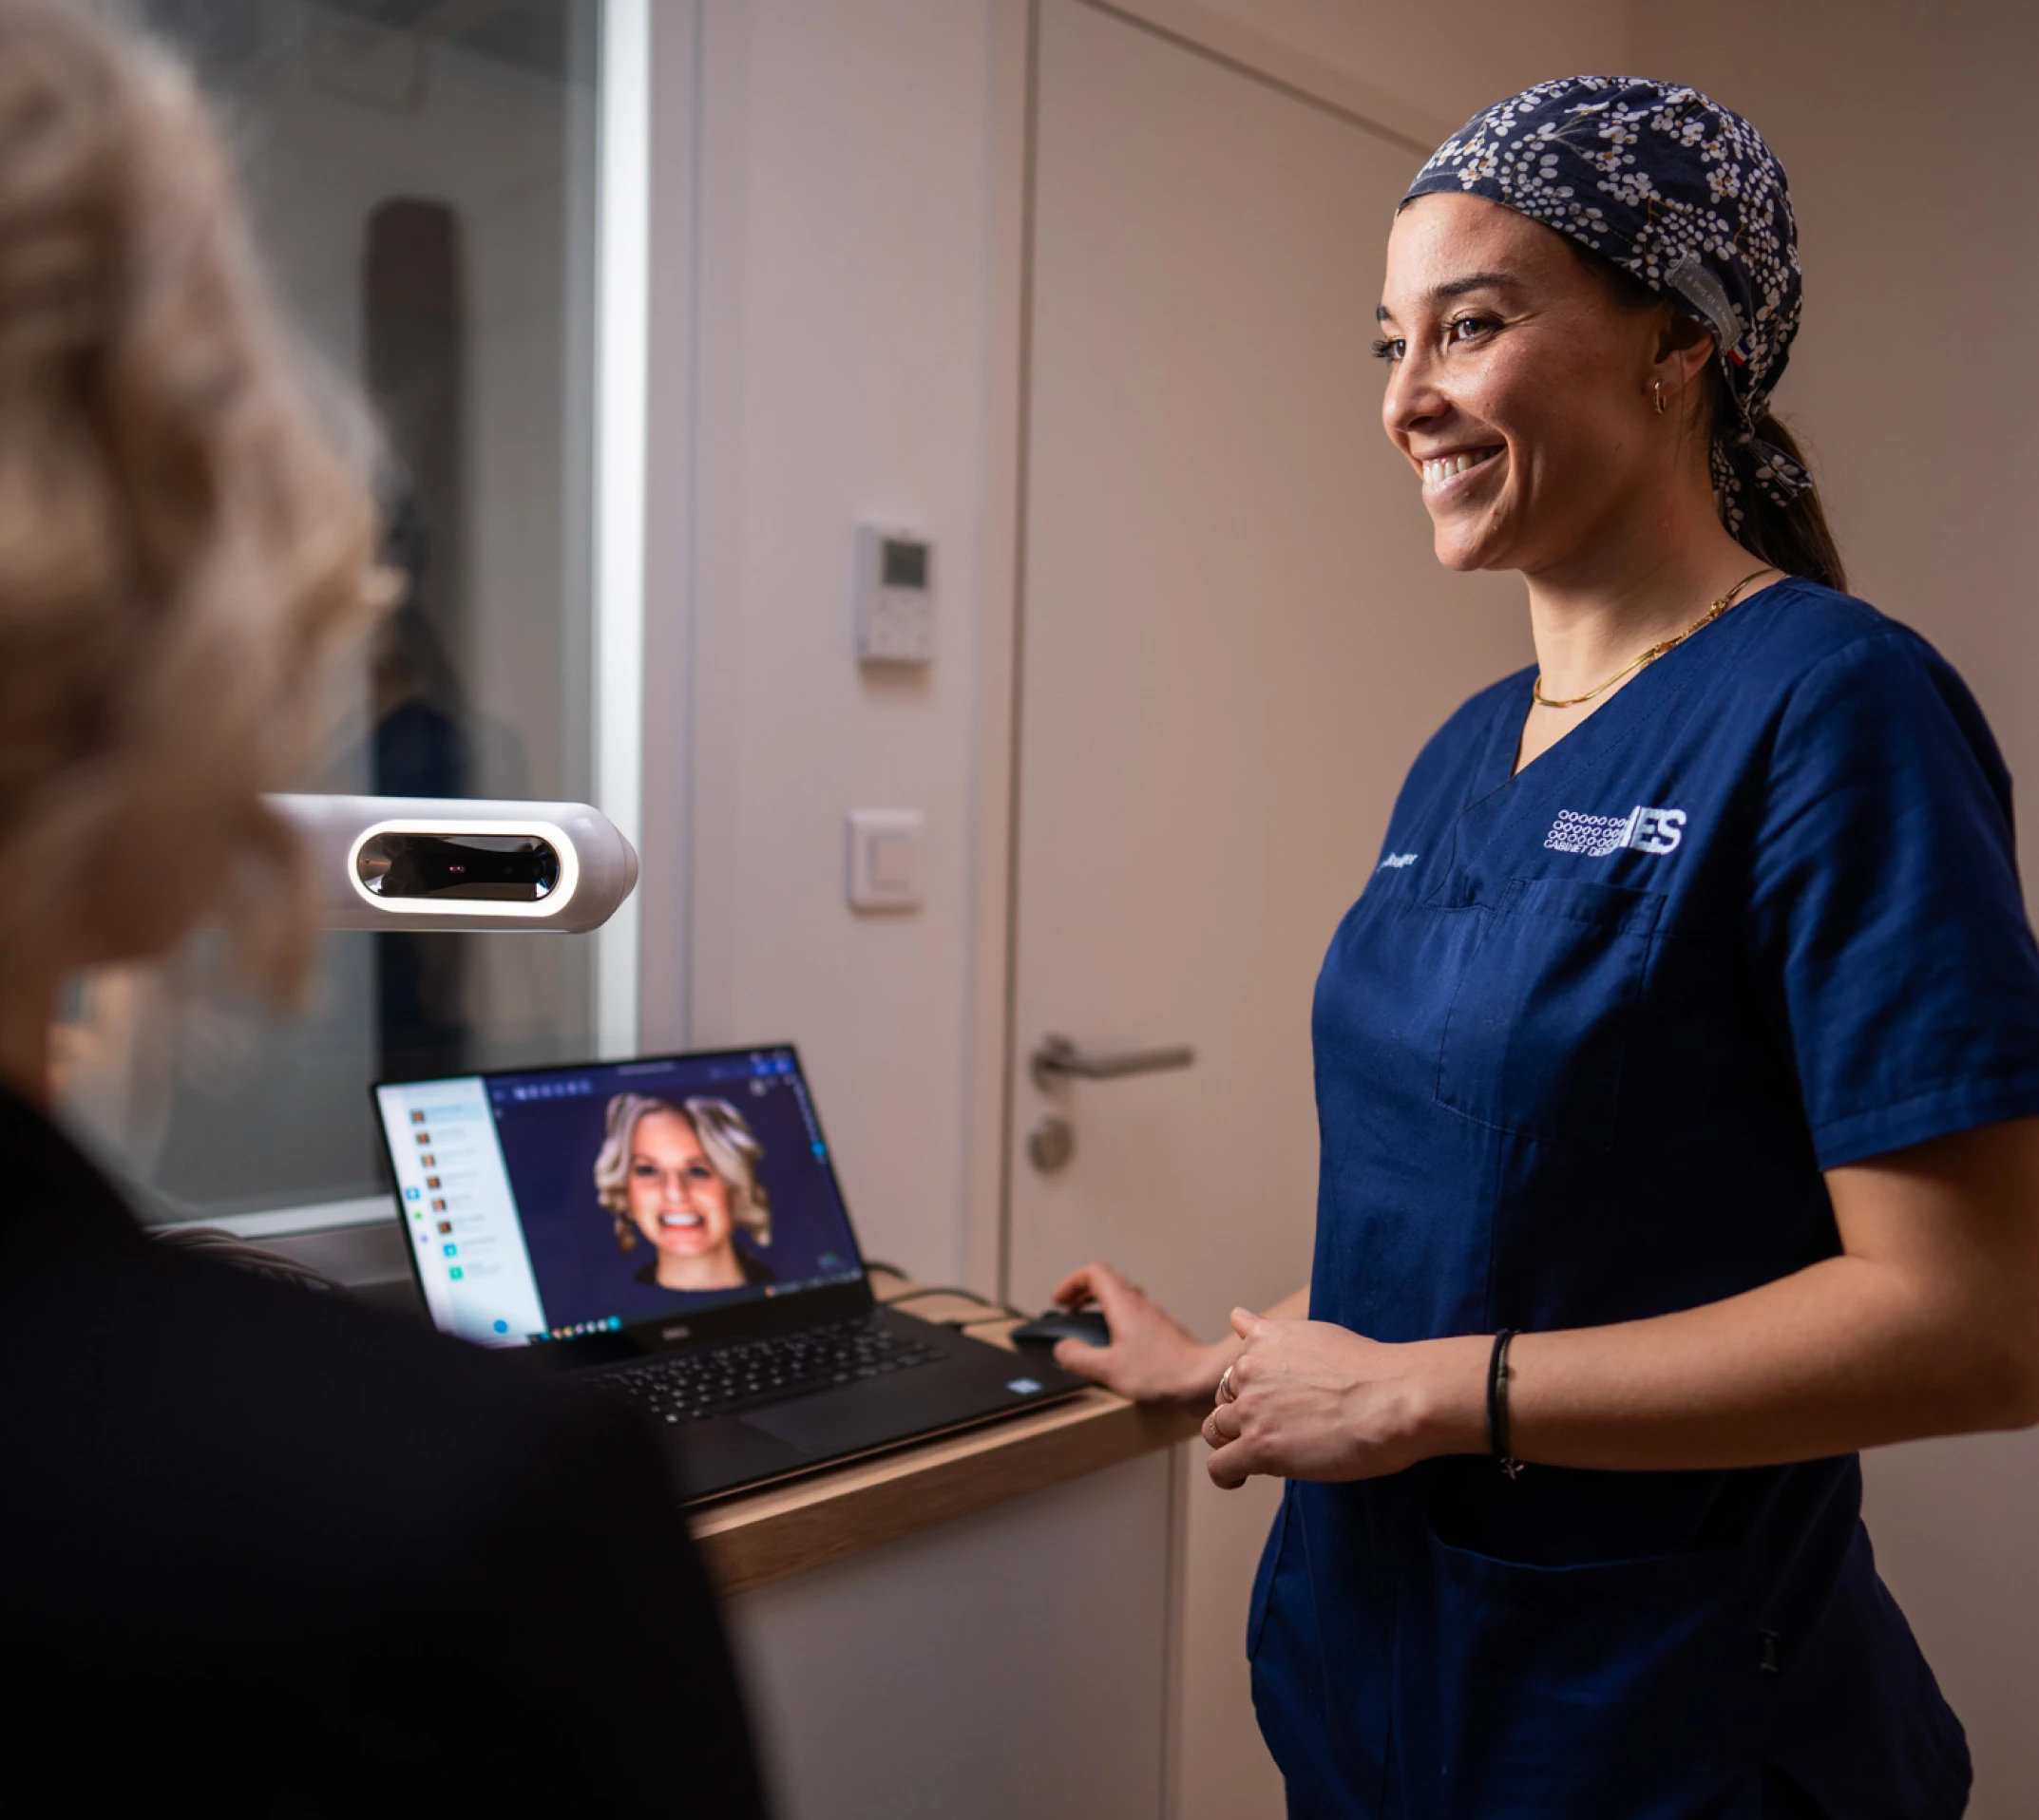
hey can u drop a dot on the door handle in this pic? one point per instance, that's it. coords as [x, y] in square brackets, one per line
[1058, 1059]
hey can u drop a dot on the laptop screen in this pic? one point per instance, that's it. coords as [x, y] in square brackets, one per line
[550, 1204]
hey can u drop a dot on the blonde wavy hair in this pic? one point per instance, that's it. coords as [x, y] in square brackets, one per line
[726, 1139]
[184, 547]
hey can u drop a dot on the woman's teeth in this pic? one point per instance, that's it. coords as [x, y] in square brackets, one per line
[1440, 470]
[683, 1220]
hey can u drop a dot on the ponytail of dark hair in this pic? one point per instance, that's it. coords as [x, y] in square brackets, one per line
[1793, 539]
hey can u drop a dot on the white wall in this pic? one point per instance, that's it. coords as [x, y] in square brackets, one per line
[839, 307]
[1904, 130]
[1448, 66]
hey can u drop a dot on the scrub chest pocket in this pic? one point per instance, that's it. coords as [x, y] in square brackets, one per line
[1537, 1031]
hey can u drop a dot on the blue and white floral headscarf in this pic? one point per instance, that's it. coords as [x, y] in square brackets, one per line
[1673, 188]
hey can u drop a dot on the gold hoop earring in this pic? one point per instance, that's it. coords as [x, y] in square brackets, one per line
[1656, 395]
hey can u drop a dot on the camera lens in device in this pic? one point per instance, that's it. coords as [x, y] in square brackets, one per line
[489, 868]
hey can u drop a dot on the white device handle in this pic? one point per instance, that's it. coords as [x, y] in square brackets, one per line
[450, 863]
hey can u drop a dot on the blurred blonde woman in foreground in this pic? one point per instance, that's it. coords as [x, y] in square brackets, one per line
[278, 1552]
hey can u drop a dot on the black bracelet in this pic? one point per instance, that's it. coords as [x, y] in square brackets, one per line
[1497, 1404]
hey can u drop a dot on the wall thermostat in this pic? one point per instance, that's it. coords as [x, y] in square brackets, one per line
[895, 597]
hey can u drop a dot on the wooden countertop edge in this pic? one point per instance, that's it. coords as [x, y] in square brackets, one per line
[778, 1532]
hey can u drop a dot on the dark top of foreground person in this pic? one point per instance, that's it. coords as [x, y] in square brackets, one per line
[283, 1554]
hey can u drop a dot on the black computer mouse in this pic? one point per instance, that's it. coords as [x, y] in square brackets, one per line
[1086, 1324]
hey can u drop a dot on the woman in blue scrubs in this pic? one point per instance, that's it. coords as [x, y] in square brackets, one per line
[1677, 1072]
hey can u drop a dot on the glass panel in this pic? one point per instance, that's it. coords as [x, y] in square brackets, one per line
[423, 175]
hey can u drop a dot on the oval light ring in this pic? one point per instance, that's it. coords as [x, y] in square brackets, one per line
[546, 909]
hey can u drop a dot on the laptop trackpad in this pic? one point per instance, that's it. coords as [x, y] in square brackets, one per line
[724, 1452]
[835, 1420]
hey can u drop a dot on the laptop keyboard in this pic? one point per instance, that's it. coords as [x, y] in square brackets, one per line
[718, 1380]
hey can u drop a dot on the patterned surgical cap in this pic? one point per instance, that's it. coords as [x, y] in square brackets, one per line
[1673, 188]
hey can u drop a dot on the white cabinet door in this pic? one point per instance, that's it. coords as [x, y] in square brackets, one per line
[1004, 1666]
[1235, 642]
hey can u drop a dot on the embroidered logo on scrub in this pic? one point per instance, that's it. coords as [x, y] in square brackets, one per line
[1596, 836]
[1395, 861]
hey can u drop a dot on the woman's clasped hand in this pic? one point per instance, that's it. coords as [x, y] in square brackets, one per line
[1306, 1399]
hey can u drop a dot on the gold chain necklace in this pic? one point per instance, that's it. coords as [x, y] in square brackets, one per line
[1654, 652]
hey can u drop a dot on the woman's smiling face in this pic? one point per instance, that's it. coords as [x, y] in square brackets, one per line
[1518, 387]
[676, 1198]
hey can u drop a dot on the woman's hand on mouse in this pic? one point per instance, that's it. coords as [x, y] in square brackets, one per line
[1152, 1357]
[1311, 1400]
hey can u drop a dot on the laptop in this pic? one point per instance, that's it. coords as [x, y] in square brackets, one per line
[672, 1231]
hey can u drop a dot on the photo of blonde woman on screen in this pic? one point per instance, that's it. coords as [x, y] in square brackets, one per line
[684, 1180]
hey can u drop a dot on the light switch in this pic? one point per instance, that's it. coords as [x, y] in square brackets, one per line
[885, 859]
[892, 862]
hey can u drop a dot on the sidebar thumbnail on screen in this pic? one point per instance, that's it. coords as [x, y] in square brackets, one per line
[459, 1213]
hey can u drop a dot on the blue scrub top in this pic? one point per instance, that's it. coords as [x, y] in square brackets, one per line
[1583, 1048]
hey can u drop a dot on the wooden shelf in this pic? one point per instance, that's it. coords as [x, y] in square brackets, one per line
[780, 1530]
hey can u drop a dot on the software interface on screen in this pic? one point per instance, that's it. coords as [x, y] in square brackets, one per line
[545, 1205]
